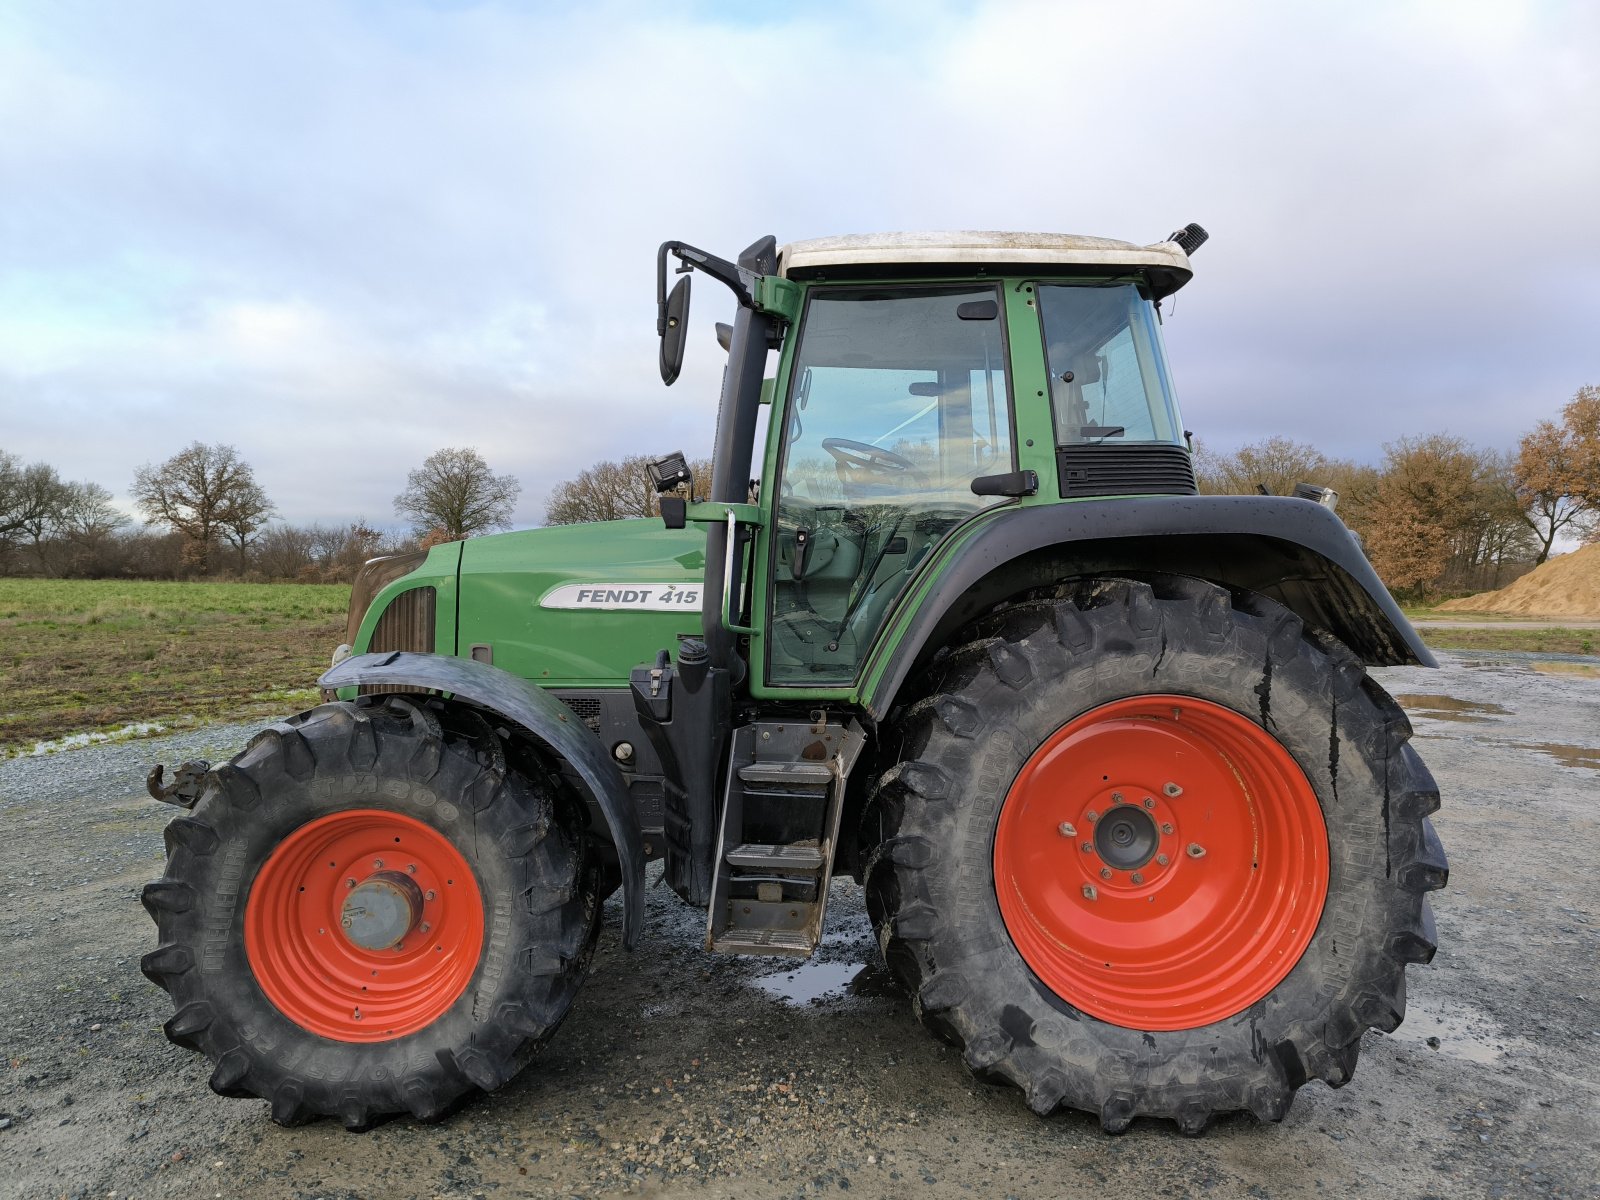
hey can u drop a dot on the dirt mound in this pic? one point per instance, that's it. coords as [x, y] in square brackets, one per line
[1568, 586]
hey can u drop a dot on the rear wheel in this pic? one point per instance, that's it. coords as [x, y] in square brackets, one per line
[1152, 849]
[369, 912]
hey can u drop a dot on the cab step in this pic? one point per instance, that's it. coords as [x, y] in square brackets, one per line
[779, 832]
[766, 941]
[794, 774]
[803, 860]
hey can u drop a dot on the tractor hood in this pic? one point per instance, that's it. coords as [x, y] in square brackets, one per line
[580, 605]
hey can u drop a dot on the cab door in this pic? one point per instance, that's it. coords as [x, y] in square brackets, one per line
[898, 399]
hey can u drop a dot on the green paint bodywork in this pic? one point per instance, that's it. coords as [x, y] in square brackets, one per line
[490, 588]
[505, 577]
[501, 579]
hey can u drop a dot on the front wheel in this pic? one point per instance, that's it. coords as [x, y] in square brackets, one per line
[1153, 849]
[371, 912]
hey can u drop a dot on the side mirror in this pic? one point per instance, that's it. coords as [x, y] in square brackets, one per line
[673, 329]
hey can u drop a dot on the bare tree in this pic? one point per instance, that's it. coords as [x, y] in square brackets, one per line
[1278, 463]
[88, 517]
[30, 497]
[287, 552]
[614, 491]
[60, 520]
[77, 530]
[244, 516]
[1557, 472]
[205, 493]
[342, 550]
[456, 493]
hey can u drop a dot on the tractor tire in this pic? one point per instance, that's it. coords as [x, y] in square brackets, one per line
[369, 913]
[1149, 848]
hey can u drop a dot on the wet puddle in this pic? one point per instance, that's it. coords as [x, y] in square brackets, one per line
[1448, 708]
[1582, 757]
[1587, 670]
[1548, 661]
[1461, 1032]
[819, 982]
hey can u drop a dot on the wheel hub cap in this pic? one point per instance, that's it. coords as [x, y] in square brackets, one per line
[1126, 838]
[380, 912]
[1161, 862]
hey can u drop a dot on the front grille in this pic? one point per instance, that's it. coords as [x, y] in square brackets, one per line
[587, 708]
[1103, 469]
[407, 624]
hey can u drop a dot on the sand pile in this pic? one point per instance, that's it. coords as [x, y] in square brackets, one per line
[1568, 586]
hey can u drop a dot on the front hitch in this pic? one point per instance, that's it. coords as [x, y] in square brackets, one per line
[184, 789]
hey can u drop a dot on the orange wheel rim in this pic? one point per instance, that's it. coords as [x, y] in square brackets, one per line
[1161, 862]
[364, 926]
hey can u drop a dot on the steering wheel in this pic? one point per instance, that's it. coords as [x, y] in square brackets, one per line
[851, 455]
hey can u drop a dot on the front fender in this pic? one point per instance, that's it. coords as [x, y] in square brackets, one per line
[542, 715]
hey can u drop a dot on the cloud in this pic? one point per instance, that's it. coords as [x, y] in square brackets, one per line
[341, 236]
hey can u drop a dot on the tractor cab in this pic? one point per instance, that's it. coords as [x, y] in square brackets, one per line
[924, 380]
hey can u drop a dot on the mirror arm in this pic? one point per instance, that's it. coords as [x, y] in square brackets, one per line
[740, 282]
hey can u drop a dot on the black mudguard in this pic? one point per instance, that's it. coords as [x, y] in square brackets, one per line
[542, 716]
[1295, 551]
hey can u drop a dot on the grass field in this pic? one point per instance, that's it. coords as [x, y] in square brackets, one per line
[80, 656]
[101, 656]
[1511, 633]
[1532, 641]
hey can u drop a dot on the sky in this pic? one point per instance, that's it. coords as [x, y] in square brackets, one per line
[342, 235]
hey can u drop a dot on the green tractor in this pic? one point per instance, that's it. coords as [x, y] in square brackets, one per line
[1137, 832]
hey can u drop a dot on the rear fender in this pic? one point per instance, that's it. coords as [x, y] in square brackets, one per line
[1295, 551]
[543, 717]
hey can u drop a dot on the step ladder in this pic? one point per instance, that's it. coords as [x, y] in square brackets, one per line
[779, 832]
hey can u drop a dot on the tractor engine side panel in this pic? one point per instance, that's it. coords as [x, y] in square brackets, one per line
[579, 606]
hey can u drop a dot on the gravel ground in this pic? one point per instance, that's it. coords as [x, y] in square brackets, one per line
[681, 1072]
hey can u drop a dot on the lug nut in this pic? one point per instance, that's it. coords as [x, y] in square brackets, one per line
[1196, 850]
[1105, 872]
[1089, 893]
[1162, 859]
[1172, 789]
[349, 883]
[411, 868]
[1138, 878]
[1067, 829]
[1149, 802]
[431, 895]
[1116, 797]
[425, 927]
[1092, 815]
[1166, 828]
[1087, 847]
[377, 864]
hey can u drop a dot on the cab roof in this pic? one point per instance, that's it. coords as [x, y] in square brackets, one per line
[859, 255]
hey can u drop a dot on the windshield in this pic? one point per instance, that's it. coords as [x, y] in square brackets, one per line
[898, 401]
[1108, 376]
